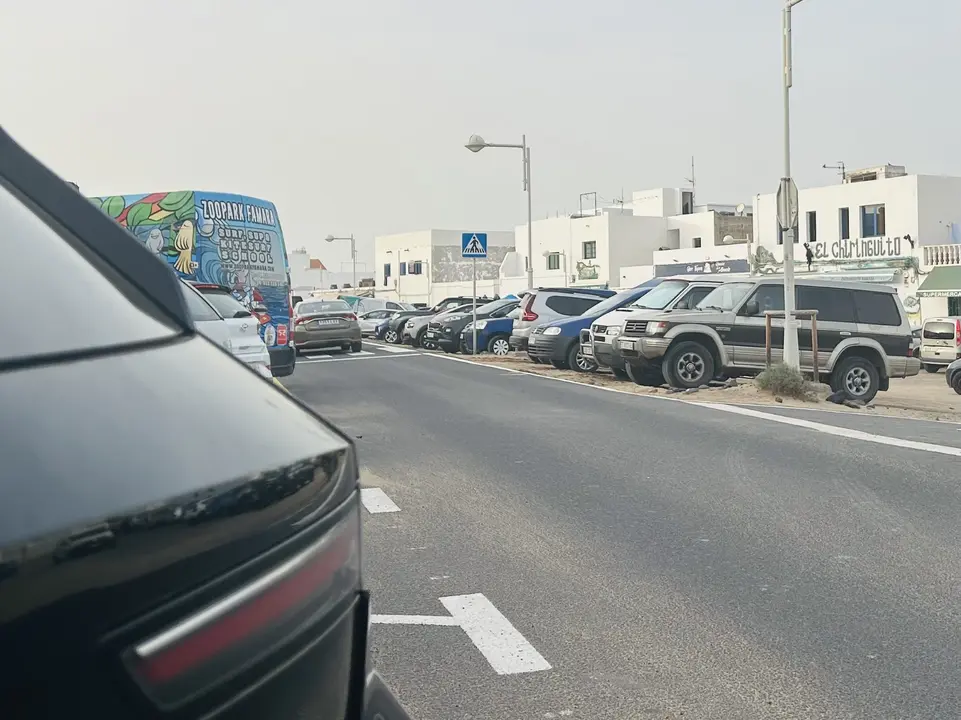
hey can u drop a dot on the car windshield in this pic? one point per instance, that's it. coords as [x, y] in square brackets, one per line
[309, 308]
[661, 296]
[614, 301]
[725, 297]
[226, 304]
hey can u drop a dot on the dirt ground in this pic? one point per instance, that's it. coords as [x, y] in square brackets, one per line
[925, 396]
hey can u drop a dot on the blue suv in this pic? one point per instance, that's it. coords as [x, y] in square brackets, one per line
[558, 342]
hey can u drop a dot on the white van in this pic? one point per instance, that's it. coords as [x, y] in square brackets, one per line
[940, 342]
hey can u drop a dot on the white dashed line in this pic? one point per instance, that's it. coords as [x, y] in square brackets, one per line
[376, 501]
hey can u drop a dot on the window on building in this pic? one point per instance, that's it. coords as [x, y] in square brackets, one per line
[403, 268]
[416, 268]
[844, 222]
[554, 261]
[696, 242]
[812, 217]
[590, 250]
[386, 273]
[872, 221]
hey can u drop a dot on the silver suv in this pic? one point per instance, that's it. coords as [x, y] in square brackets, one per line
[864, 337]
[545, 305]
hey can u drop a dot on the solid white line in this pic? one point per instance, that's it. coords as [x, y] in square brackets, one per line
[373, 356]
[392, 349]
[871, 414]
[838, 431]
[414, 620]
[504, 647]
[738, 410]
[376, 501]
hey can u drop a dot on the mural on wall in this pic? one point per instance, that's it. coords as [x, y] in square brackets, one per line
[587, 270]
[218, 238]
[447, 265]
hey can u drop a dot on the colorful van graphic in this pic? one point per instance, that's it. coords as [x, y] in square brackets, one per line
[231, 240]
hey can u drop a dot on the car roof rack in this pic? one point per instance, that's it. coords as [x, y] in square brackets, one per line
[587, 291]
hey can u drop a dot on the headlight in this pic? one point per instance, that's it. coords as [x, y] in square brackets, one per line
[410, 323]
[481, 324]
[613, 331]
[263, 370]
[552, 331]
[657, 328]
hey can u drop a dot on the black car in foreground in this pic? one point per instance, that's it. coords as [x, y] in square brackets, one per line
[445, 331]
[131, 588]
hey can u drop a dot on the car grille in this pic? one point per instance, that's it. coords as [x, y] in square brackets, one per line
[635, 327]
[433, 326]
[538, 331]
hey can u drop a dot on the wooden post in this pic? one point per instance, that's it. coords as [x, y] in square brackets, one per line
[767, 337]
[814, 345]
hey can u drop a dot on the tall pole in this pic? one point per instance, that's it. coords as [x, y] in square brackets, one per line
[474, 306]
[353, 258]
[791, 355]
[530, 232]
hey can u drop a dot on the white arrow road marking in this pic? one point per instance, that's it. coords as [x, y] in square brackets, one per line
[376, 501]
[501, 644]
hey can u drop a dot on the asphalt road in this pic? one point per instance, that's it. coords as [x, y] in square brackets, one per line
[668, 560]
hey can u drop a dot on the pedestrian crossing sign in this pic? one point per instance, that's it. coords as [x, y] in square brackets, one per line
[473, 245]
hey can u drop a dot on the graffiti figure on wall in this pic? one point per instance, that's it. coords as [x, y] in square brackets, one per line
[587, 270]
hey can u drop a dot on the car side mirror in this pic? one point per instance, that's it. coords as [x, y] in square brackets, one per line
[242, 314]
[752, 308]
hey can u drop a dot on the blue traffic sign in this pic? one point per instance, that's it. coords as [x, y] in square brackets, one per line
[473, 245]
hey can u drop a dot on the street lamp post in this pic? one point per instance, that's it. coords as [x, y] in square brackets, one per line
[353, 253]
[476, 144]
[791, 354]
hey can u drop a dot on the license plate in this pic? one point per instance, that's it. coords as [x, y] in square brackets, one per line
[326, 322]
[626, 344]
[587, 350]
[431, 334]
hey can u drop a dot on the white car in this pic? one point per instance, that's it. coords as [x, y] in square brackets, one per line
[240, 335]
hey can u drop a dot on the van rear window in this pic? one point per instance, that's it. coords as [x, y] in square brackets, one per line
[939, 331]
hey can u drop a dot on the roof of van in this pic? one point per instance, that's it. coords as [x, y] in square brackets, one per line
[820, 282]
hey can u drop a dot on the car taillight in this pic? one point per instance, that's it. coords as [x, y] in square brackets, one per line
[957, 332]
[229, 635]
[527, 315]
[351, 316]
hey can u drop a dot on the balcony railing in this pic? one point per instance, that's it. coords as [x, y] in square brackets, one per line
[935, 255]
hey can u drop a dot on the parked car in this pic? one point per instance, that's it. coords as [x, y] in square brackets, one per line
[952, 375]
[493, 334]
[416, 327]
[559, 342]
[864, 335]
[545, 305]
[669, 294]
[238, 336]
[370, 321]
[395, 326]
[264, 618]
[940, 342]
[85, 542]
[445, 330]
[325, 324]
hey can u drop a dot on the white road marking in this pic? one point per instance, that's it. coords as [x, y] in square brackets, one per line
[507, 651]
[395, 349]
[310, 355]
[739, 410]
[414, 620]
[376, 501]
[373, 356]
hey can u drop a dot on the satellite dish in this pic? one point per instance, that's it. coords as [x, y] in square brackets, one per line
[739, 210]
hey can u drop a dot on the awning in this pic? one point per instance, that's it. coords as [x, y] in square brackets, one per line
[941, 282]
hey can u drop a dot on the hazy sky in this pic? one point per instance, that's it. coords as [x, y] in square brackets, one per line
[352, 116]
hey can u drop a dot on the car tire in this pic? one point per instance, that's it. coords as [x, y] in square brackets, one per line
[499, 346]
[620, 374]
[578, 362]
[688, 365]
[931, 368]
[390, 336]
[956, 382]
[857, 378]
[647, 377]
[357, 347]
[418, 342]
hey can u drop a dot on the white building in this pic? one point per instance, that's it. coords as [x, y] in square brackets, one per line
[426, 266]
[879, 224]
[310, 273]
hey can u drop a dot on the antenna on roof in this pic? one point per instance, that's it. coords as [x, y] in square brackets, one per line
[839, 166]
